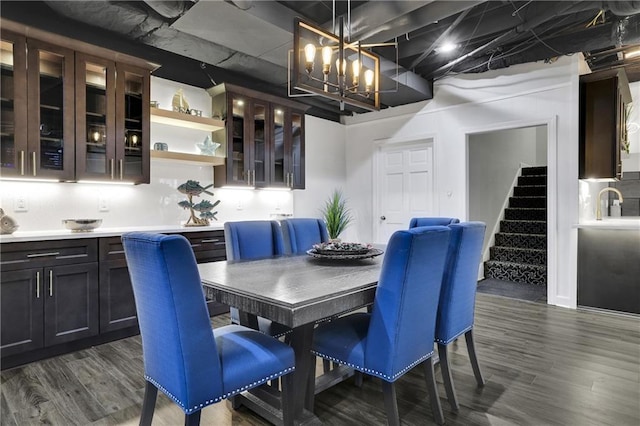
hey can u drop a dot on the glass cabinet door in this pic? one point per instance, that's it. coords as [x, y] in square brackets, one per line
[95, 123]
[279, 176]
[132, 124]
[237, 141]
[296, 180]
[51, 111]
[260, 158]
[13, 104]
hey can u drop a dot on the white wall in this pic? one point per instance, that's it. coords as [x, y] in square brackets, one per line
[325, 166]
[494, 161]
[518, 96]
[156, 203]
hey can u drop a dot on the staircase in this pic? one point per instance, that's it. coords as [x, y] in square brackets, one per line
[520, 250]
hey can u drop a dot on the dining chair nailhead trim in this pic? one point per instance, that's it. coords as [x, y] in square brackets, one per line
[221, 397]
[446, 342]
[374, 372]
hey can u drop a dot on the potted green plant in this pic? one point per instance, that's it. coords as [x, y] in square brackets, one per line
[336, 214]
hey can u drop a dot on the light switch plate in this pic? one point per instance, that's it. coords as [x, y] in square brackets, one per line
[103, 204]
[21, 204]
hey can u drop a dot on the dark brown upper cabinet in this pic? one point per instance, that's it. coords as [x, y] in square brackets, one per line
[70, 110]
[112, 120]
[604, 98]
[37, 109]
[263, 136]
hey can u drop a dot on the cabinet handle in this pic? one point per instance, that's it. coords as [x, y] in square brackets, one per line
[215, 240]
[53, 253]
[248, 177]
[253, 172]
[21, 163]
[111, 162]
[37, 285]
[121, 169]
[33, 156]
[50, 282]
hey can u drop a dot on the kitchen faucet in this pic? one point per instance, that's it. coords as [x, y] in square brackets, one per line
[598, 205]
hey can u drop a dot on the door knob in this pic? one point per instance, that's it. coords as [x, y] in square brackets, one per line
[383, 218]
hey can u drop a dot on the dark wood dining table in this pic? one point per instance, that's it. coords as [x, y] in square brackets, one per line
[296, 291]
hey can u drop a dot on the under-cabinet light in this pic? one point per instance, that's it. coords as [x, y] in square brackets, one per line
[17, 179]
[107, 182]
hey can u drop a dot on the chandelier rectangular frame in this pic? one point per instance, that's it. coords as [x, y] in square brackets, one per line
[356, 82]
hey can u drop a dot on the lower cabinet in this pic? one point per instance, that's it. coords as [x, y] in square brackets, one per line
[58, 296]
[47, 305]
[117, 306]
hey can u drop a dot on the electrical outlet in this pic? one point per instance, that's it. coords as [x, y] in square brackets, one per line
[21, 204]
[103, 203]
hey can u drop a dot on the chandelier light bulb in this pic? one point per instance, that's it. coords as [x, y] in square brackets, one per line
[356, 71]
[309, 52]
[96, 136]
[368, 79]
[327, 52]
[309, 55]
[341, 69]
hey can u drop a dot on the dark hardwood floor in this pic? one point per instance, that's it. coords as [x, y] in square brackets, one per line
[543, 365]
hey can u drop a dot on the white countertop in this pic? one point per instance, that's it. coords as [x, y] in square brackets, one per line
[611, 223]
[63, 234]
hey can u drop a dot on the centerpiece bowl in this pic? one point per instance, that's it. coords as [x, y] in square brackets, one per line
[81, 225]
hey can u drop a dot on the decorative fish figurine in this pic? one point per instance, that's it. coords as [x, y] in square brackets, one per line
[8, 225]
[193, 187]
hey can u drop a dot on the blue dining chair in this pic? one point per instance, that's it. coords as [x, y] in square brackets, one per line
[388, 342]
[250, 240]
[432, 221]
[300, 234]
[189, 362]
[458, 298]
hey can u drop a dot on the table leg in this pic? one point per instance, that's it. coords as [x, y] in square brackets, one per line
[303, 385]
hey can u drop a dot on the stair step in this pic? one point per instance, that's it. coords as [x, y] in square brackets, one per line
[530, 202]
[516, 272]
[530, 191]
[540, 170]
[524, 241]
[519, 255]
[532, 180]
[525, 214]
[524, 226]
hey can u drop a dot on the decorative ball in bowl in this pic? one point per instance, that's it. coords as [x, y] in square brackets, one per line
[81, 225]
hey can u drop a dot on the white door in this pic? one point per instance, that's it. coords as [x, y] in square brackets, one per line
[404, 186]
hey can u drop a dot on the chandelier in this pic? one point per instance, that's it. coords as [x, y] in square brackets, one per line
[329, 65]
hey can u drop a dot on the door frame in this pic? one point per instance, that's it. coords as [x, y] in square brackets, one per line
[424, 139]
[552, 193]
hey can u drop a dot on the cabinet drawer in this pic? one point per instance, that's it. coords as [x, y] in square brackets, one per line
[206, 245]
[48, 253]
[206, 241]
[111, 249]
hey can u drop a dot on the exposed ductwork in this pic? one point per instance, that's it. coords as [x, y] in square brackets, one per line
[246, 42]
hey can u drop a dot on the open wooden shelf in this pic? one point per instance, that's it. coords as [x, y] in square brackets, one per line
[206, 160]
[172, 118]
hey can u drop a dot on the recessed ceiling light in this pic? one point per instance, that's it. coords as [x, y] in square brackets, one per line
[447, 47]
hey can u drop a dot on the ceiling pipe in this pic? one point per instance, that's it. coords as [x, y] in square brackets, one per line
[525, 26]
[169, 9]
[598, 37]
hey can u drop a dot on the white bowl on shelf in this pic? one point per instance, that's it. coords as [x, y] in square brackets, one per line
[82, 225]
